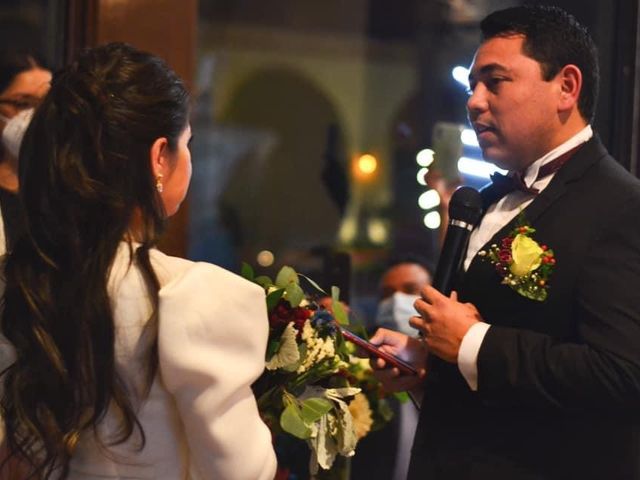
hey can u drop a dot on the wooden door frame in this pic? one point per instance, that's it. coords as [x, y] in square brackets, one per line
[90, 22]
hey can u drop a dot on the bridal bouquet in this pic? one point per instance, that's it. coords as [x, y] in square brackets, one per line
[313, 387]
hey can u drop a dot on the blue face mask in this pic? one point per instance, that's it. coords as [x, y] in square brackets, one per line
[14, 130]
[394, 312]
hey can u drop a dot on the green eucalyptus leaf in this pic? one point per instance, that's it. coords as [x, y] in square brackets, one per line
[247, 271]
[335, 293]
[273, 298]
[295, 295]
[291, 422]
[263, 281]
[314, 408]
[403, 397]
[339, 313]
[286, 276]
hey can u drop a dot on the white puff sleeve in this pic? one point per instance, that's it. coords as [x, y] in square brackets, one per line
[212, 338]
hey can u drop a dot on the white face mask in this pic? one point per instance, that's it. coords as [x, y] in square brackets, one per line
[14, 130]
[394, 312]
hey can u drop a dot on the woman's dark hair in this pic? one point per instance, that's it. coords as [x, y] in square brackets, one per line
[13, 63]
[85, 178]
[553, 38]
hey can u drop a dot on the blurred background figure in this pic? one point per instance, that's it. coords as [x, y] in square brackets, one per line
[400, 287]
[385, 454]
[23, 83]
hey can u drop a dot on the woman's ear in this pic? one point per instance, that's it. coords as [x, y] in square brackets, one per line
[158, 157]
[570, 78]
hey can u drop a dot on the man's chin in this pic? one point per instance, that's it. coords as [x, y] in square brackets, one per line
[496, 158]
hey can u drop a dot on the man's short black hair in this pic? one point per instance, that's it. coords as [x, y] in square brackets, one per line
[554, 38]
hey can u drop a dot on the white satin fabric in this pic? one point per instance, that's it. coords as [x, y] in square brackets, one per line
[200, 418]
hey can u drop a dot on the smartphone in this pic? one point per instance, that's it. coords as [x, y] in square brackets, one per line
[392, 360]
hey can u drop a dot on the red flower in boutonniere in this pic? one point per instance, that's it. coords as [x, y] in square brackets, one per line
[523, 264]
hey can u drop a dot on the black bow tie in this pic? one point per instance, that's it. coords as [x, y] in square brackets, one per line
[505, 184]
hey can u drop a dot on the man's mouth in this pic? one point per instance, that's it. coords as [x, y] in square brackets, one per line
[483, 131]
[482, 128]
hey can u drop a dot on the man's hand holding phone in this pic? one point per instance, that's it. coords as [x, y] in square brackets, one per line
[411, 350]
[376, 352]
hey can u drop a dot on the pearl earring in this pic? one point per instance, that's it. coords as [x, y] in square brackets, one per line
[159, 185]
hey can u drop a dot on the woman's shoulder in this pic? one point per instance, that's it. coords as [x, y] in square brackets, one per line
[167, 267]
[179, 273]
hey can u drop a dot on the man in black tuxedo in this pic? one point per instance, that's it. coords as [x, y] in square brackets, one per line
[518, 388]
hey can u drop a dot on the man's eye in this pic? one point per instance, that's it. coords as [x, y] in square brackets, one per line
[494, 82]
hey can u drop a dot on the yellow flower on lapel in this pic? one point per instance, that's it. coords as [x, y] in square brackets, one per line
[524, 265]
[526, 255]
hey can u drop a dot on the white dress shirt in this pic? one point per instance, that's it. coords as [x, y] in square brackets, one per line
[497, 216]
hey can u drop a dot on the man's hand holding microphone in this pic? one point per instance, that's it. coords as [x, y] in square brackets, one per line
[443, 320]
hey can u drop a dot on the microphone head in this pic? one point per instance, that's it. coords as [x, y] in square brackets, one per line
[466, 205]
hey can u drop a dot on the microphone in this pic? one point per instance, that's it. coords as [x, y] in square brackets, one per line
[465, 210]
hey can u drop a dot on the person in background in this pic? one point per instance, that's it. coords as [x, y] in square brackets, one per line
[385, 454]
[119, 361]
[23, 83]
[534, 371]
[400, 287]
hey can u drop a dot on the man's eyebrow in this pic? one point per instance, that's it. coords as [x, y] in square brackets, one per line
[487, 69]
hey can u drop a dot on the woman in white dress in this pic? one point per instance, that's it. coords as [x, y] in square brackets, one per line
[122, 362]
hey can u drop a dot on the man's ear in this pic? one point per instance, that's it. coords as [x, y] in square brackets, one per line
[570, 80]
[158, 157]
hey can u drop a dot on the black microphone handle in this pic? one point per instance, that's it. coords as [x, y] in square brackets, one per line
[453, 249]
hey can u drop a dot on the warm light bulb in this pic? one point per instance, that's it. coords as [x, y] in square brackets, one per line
[348, 230]
[377, 231]
[367, 164]
[265, 258]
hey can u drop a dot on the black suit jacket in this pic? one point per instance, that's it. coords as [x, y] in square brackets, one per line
[558, 381]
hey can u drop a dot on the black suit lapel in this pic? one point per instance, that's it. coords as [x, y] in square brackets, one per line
[573, 170]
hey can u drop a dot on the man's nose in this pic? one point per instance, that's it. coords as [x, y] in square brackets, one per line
[477, 102]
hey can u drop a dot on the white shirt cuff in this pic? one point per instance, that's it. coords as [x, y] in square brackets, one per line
[468, 353]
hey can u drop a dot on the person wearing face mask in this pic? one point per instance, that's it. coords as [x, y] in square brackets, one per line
[23, 83]
[384, 454]
[400, 287]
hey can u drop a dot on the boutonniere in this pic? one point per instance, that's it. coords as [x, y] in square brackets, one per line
[524, 265]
